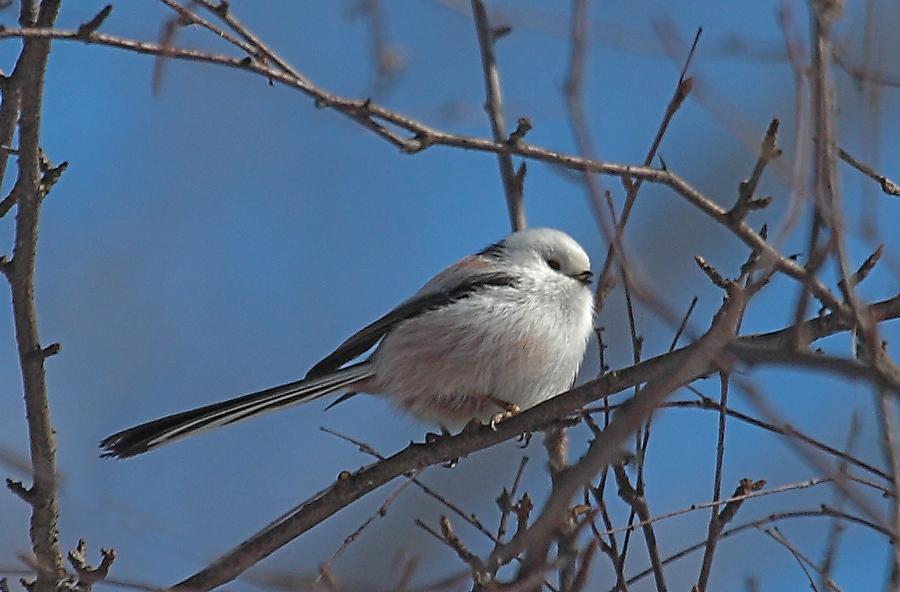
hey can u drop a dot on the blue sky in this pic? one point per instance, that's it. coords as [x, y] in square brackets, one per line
[223, 236]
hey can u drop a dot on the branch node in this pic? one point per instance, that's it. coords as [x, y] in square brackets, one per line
[417, 143]
[221, 9]
[768, 151]
[501, 32]
[87, 574]
[681, 93]
[759, 203]
[51, 350]
[518, 135]
[746, 487]
[522, 510]
[51, 176]
[85, 30]
[323, 103]
[20, 490]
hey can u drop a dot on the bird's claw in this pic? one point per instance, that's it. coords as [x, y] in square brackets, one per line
[509, 411]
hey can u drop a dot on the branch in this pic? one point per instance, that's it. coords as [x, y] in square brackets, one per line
[23, 95]
[494, 107]
[679, 366]
[888, 186]
[373, 117]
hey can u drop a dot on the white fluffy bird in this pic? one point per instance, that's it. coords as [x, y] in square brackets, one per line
[497, 332]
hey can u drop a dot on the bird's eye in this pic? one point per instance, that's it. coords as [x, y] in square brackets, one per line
[554, 264]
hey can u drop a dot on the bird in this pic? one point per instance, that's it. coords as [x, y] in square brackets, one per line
[493, 334]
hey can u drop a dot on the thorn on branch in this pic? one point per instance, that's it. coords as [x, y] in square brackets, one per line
[519, 179]
[518, 135]
[861, 273]
[88, 575]
[246, 62]
[713, 274]
[85, 30]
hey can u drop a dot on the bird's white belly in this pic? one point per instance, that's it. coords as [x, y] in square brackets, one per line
[444, 369]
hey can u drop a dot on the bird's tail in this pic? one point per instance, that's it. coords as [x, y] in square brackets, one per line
[174, 427]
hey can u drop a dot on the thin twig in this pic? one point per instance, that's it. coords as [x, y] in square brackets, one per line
[505, 501]
[715, 523]
[640, 508]
[890, 440]
[802, 561]
[768, 152]
[823, 511]
[494, 107]
[888, 186]
[379, 513]
[468, 517]
[836, 528]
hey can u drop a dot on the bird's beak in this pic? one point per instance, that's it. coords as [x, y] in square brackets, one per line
[584, 277]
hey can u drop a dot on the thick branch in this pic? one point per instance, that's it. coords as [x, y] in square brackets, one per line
[27, 82]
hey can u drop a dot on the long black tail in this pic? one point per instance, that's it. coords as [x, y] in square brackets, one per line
[155, 433]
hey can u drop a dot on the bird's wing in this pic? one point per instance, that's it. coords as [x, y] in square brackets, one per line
[447, 287]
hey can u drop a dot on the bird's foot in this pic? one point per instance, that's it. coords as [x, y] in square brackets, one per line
[509, 410]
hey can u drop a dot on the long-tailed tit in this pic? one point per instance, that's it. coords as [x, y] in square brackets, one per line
[499, 331]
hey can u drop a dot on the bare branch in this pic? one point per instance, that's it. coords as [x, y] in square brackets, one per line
[888, 186]
[494, 107]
